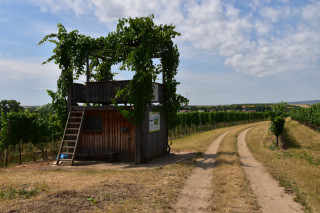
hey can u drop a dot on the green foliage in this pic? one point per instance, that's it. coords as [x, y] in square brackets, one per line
[211, 118]
[21, 193]
[134, 45]
[21, 127]
[92, 200]
[4, 143]
[310, 115]
[7, 106]
[31, 127]
[277, 118]
[277, 125]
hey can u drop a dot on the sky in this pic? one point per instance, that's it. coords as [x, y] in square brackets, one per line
[231, 51]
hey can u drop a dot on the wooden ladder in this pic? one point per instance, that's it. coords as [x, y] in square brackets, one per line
[71, 136]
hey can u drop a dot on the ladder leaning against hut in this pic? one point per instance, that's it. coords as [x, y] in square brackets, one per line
[71, 136]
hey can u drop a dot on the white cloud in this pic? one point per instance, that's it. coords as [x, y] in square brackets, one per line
[57, 6]
[270, 13]
[262, 28]
[269, 39]
[296, 52]
[13, 69]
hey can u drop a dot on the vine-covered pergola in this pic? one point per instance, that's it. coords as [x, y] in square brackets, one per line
[134, 45]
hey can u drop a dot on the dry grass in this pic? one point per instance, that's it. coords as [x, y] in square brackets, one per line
[128, 190]
[231, 188]
[297, 168]
[198, 142]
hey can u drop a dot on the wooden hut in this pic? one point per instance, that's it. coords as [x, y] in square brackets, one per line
[101, 131]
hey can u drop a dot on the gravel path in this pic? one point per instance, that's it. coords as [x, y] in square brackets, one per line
[197, 190]
[271, 197]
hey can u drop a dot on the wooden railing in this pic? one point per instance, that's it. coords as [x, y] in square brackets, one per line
[104, 92]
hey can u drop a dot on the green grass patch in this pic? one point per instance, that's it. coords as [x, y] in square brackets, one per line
[17, 193]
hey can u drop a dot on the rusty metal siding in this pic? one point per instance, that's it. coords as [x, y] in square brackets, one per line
[112, 138]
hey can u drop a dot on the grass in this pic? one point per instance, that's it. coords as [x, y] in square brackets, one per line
[14, 193]
[127, 190]
[198, 142]
[296, 166]
[231, 188]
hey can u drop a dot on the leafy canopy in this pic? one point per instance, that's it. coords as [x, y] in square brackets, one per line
[277, 118]
[134, 45]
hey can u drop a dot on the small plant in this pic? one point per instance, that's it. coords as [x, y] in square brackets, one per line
[21, 193]
[272, 147]
[92, 200]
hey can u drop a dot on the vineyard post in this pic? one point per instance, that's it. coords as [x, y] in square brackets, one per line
[6, 156]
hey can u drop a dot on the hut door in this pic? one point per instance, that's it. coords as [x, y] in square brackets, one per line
[122, 136]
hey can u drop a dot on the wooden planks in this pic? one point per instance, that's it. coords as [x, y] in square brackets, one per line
[154, 143]
[117, 135]
[104, 92]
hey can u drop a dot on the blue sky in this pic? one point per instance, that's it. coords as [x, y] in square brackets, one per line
[253, 51]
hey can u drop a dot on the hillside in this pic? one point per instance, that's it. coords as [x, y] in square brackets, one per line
[306, 102]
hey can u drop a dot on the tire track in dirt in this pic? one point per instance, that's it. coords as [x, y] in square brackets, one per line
[271, 197]
[196, 193]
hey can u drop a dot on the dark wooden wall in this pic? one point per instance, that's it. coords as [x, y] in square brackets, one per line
[154, 143]
[112, 138]
[104, 92]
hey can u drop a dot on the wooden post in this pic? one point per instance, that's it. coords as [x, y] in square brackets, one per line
[70, 94]
[6, 154]
[164, 80]
[88, 77]
[69, 104]
[19, 146]
[88, 71]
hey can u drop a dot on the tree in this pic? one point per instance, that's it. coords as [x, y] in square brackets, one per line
[134, 45]
[6, 106]
[4, 143]
[19, 126]
[277, 119]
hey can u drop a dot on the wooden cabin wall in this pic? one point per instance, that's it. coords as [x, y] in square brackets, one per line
[155, 143]
[112, 138]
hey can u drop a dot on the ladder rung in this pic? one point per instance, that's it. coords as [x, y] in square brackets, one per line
[68, 153]
[68, 147]
[72, 115]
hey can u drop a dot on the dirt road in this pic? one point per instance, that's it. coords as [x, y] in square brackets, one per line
[196, 192]
[271, 197]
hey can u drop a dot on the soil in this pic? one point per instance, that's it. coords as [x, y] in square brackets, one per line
[76, 200]
[103, 192]
[196, 193]
[172, 158]
[271, 197]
